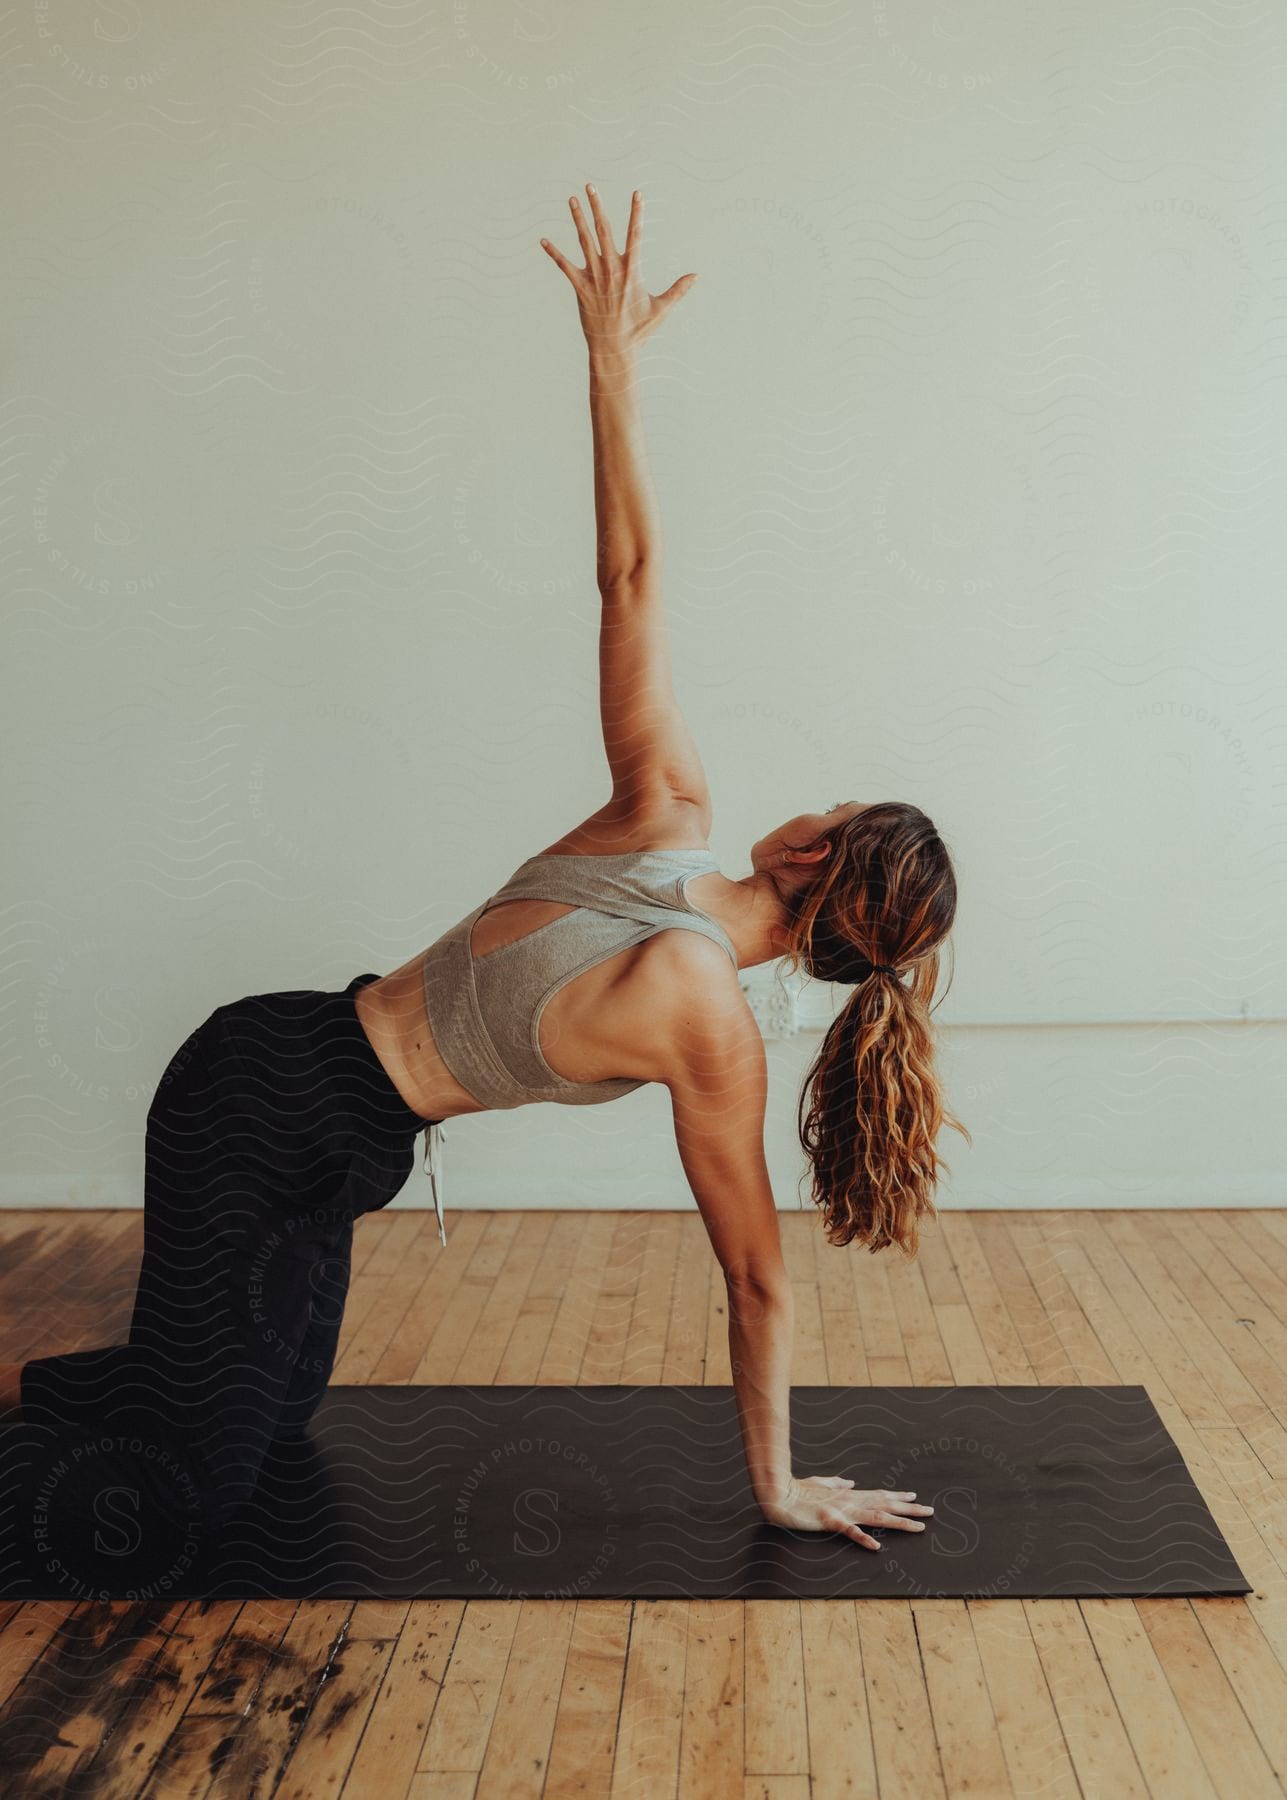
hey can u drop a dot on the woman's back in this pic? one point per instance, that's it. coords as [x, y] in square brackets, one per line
[485, 1004]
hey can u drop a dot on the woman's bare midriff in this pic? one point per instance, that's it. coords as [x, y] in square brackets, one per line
[602, 1025]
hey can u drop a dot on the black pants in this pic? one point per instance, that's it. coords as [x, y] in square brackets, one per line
[273, 1128]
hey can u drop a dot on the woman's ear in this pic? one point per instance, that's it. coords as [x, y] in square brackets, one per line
[817, 854]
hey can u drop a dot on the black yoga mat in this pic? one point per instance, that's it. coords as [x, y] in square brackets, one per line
[507, 1492]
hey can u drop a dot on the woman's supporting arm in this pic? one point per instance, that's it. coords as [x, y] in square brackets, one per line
[761, 1330]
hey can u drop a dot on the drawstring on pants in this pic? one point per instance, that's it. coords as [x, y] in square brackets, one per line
[433, 1165]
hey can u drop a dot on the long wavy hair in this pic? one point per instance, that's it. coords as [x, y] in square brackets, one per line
[871, 1106]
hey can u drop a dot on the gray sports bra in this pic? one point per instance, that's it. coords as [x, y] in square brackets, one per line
[485, 1013]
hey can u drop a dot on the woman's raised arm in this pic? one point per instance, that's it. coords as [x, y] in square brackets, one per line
[617, 314]
[650, 749]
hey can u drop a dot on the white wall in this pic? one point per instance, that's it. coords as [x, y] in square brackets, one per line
[970, 449]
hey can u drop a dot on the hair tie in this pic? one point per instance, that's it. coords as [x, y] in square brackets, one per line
[865, 970]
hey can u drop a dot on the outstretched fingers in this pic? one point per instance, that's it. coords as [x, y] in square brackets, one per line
[588, 249]
[634, 229]
[557, 255]
[595, 254]
[900, 1509]
[607, 248]
[884, 1509]
[836, 1521]
[903, 1523]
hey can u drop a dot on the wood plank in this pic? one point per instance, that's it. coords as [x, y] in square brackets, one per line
[969, 1364]
[797, 1231]
[203, 1738]
[1257, 1231]
[685, 1360]
[549, 1278]
[323, 1751]
[831, 1272]
[1252, 1272]
[1243, 1497]
[438, 1786]
[1160, 1738]
[393, 1739]
[192, 1757]
[385, 1322]
[1114, 1331]
[997, 1331]
[410, 1345]
[1031, 1736]
[646, 1755]
[936, 1261]
[1038, 1246]
[776, 1731]
[462, 1720]
[712, 1758]
[376, 1255]
[159, 1695]
[1228, 1745]
[244, 1657]
[882, 1335]
[1241, 1314]
[585, 1726]
[1129, 1284]
[528, 1341]
[841, 1757]
[1194, 1359]
[1196, 1309]
[717, 1368]
[284, 1699]
[1097, 1740]
[1254, 1672]
[27, 1635]
[646, 1350]
[809, 1356]
[1037, 1334]
[401, 1230]
[902, 1725]
[517, 1755]
[565, 1352]
[377, 1618]
[969, 1743]
[842, 1344]
[57, 1720]
[614, 1306]
[466, 1301]
[485, 1349]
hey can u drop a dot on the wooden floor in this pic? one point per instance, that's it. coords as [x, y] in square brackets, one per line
[774, 1699]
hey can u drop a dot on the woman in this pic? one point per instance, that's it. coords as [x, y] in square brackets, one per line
[608, 960]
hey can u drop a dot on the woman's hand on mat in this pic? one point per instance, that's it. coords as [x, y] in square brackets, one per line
[833, 1503]
[617, 311]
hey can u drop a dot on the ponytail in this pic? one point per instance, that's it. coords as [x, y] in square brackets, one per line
[871, 1107]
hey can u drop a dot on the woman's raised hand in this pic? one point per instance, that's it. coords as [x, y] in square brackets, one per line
[832, 1503]
[617, 312]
